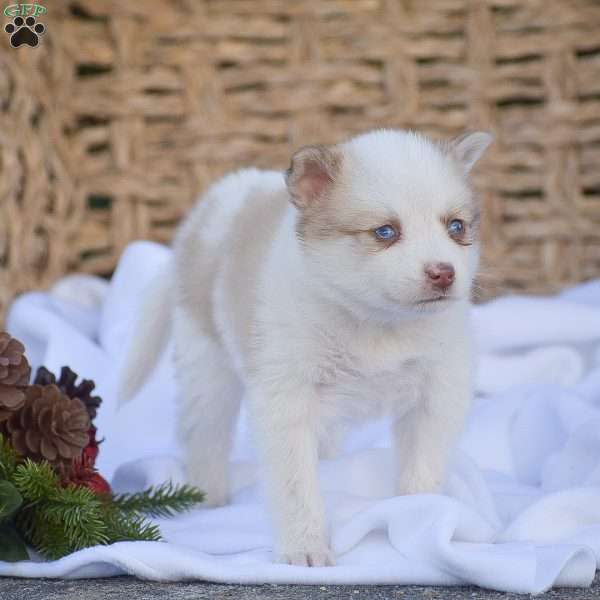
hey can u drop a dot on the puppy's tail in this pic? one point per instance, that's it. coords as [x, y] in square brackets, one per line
[150, 334]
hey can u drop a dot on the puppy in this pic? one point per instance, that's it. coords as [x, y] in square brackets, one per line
[330, 295]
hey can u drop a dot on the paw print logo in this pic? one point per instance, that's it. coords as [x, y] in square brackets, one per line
[24, 31]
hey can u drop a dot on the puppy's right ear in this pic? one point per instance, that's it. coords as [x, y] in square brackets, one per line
[312, 174]
[468, 148]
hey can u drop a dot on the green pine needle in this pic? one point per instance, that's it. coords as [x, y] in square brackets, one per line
[48, 538]
[58, 520]
[79, 511]
[164, 501]
[35, 481]
[123, 527]
[8, 459]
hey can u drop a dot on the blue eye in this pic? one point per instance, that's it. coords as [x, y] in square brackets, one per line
[386, 232]
[456, 227]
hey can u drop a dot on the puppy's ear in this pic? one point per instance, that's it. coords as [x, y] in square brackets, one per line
[312, 173]
[468, 148]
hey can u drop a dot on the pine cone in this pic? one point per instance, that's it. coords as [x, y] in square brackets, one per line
[50, 426]
[14, 375]
[66, 383]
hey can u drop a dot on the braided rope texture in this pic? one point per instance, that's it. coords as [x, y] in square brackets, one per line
[127, 110]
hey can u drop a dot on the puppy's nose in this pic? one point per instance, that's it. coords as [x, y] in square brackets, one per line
[440, 275]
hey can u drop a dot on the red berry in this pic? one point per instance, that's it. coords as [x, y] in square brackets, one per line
[97, 484]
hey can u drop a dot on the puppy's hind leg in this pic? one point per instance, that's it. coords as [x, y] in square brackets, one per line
[209, 401]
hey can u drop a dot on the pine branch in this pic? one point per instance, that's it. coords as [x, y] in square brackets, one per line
[79, 511]
[48, 538]
[8, 459]
[123, 527]
[163, 501]
[58, 520]
[35, 481]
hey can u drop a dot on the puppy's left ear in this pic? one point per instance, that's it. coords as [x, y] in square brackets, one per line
[468, 148]
[311, 175]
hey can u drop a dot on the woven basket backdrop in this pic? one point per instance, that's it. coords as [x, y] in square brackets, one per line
[127, 110]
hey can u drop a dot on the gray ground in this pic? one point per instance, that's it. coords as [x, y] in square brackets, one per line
[128, 588]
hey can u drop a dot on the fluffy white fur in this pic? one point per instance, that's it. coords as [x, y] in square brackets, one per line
[323, 324]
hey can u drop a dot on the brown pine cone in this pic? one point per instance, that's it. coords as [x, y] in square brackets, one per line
[12, 399]
[50, 426]
[14, 375]
[66, 383]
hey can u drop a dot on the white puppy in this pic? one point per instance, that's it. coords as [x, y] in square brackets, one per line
[335, 294]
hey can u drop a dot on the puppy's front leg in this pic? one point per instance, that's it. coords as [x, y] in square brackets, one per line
[425, 437]
[286, 435]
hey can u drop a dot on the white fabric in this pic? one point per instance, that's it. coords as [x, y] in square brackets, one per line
[521, 510]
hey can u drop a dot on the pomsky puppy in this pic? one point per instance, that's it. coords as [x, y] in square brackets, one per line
[333, 294]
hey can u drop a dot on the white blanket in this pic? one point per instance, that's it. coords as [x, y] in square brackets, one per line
[521, 508]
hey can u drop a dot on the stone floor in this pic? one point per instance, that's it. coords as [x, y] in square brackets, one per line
[128, 588]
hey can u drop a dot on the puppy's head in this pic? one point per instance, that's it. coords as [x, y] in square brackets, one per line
[388, 221]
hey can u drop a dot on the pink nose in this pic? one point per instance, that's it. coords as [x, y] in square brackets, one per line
[440, 275]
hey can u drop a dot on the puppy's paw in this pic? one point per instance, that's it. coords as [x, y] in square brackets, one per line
[309, 558]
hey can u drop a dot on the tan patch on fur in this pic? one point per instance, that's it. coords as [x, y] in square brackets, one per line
[333, 217]
[468, 213]
[312, 172]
